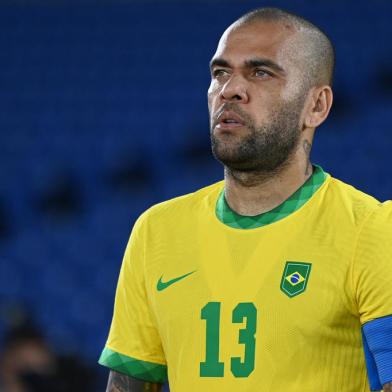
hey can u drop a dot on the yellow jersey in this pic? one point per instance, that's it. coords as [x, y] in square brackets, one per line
[214, 301]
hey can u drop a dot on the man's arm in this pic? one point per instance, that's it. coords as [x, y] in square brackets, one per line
[388, 387]
[121, 383]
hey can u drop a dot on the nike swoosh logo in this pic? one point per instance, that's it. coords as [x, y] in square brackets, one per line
[164, 285]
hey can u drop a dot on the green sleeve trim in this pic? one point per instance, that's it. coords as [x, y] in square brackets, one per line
[143, 370]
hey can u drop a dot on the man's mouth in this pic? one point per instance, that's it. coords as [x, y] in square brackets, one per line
[229, 120]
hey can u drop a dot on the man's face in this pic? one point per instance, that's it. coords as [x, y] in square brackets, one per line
[256, 97]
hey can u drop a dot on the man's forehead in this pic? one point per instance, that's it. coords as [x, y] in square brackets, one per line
[255, 39]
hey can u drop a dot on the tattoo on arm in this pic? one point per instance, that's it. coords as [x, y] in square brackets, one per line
[121, 383]
[388, 387]
[307, 147]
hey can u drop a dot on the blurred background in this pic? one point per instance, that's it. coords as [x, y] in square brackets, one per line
[102, 114]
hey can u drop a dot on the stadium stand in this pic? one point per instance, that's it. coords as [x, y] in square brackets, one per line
[103, 113]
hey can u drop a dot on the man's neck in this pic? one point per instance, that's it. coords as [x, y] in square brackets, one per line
[254, 193]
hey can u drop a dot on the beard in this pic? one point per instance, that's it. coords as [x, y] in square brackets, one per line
[265, 148]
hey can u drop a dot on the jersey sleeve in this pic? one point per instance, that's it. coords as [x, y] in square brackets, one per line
[372, 279]
[372, 266]
[134, 346]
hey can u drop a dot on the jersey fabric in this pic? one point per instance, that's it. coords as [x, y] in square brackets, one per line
[220, 302]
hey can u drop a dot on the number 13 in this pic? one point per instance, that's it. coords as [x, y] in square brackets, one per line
[211, 367]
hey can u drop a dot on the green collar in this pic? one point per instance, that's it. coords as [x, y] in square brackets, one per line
[230, 218]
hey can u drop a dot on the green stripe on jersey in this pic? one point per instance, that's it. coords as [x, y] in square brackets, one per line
[230, 218]
[143, 370]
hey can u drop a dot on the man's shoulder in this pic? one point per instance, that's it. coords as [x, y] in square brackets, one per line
[185, 205]
[380, 221]
[351, 202]
[352, 194]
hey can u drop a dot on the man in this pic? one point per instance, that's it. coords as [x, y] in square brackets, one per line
[277, 279]
[28, 363]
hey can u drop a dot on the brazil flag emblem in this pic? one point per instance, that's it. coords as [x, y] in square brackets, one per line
[295, 278]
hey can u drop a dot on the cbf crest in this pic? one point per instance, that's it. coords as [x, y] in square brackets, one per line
[295, 278]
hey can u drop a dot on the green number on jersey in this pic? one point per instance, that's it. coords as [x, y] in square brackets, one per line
[247, 337]
[211, 367]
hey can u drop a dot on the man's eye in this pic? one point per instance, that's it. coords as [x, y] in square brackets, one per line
[262, 73]
[216, 73]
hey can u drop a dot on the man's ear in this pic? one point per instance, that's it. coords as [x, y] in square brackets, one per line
[318, 107]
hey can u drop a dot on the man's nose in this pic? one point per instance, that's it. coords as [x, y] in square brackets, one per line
[235, 89]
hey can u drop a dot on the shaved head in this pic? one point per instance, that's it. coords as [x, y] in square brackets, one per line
[310, 44]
